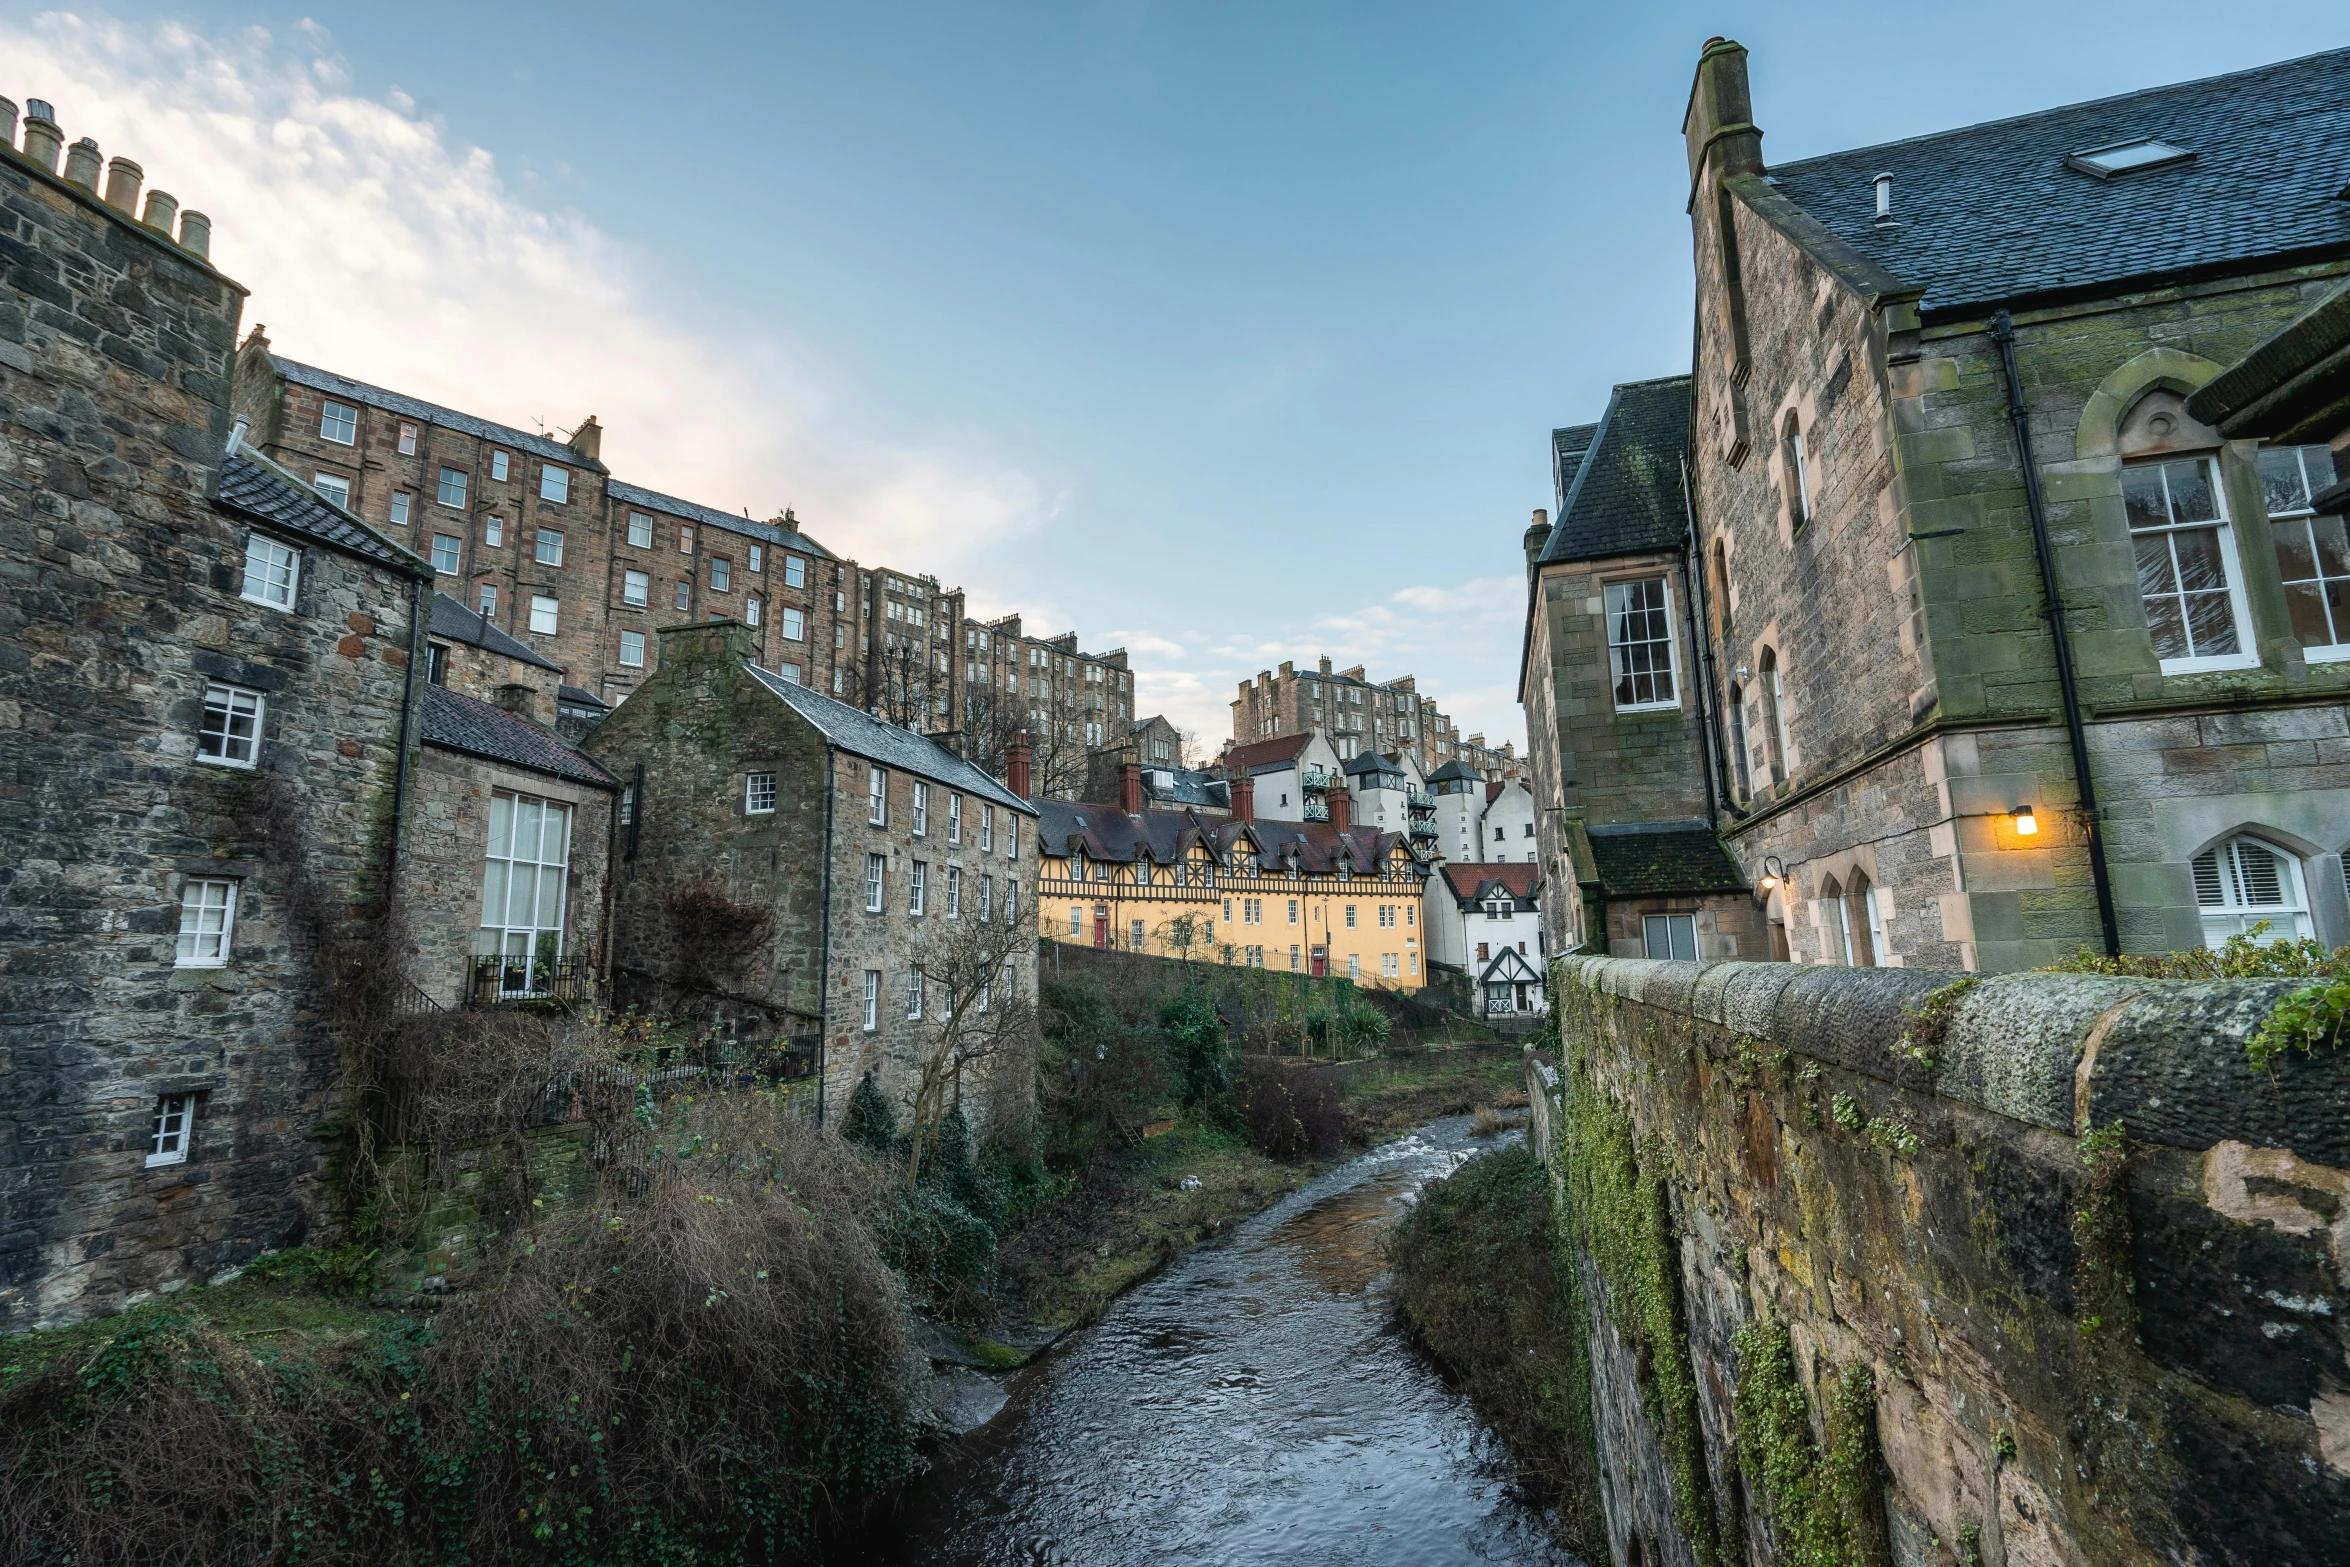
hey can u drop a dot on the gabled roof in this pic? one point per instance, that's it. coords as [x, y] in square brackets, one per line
[861, 734]
[1373, 762]
[710, 516]
[1627, 497]
[1116, 837]
[1993, 213]
[453, 622]
[1637, 864]
[432, 413]
[462, 723]
[1456, 770]
[1510, 967]
[253, 487]
[1316, 846]
[1468, 879]
[580, 696]
[1267, 756]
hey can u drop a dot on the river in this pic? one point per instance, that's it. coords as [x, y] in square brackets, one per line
[1253, 1403]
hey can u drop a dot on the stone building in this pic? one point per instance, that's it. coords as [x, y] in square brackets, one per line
[1484, 923]
[205, 672]
[1356, 714]
[1939, 386]
[1158, 742]
[1324, 897]
[806, 869]
[1043, 693]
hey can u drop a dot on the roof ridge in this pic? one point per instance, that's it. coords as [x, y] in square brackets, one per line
[2054, 109]
[521, 436]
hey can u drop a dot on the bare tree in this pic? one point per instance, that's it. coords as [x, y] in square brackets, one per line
[1062, 729]
[899, 683]
[977, 1010]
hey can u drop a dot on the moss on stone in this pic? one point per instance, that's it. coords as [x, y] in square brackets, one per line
[1825, 1505]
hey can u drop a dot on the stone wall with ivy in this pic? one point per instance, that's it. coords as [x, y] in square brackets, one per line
[1890, 1267]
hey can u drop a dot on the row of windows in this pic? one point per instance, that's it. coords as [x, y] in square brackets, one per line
[1252, 912]
[950, 899]
[339, 423]
[877, 814]
[917, 987]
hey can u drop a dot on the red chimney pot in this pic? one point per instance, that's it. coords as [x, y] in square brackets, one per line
[1017, 768]
[1244, 799]
[1342, 813]
[1130, 788]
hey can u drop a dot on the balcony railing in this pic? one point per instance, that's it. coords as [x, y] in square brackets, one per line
[1420, 799]
[1422, 829]
[511, 981]
[1318, 778]
[1317, 810]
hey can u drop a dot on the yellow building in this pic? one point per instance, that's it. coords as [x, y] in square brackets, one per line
[1308, 897]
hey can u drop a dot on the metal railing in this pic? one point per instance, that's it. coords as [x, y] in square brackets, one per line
[1421, 829]
[1420, 799]
[1317, 810]
[1318, 778]
[498, 981]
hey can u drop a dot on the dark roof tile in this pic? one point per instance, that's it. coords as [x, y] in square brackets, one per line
[462, 723]
[255, 488]
[1626, 496]
[453, 622]
[1468, 879]
[861, 734]
[1643, 864]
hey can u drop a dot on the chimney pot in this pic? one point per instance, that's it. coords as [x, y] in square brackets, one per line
[1130, 788]
[162, 208]
[1244, 797]
[196, 234]
[1884, 184]
[8, 106]
[42, 138]
[1342, 808]
[82, 164]
[1537, 535]
[122, 184]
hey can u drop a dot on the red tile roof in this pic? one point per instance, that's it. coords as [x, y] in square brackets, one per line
[1467, 879]
[1266, 753]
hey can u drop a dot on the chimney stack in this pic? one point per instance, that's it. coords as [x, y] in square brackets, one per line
[1244, 797]
[1719, 127]
[162, 208]
[520, 698]
[196, 234]
[1018, 765]
[1325, 669]
[8, 111]
[1130, 788]
[588, 440]
[123, 178]
[82, 164]
[1537, 535]
[42, 138]
[1342, 811]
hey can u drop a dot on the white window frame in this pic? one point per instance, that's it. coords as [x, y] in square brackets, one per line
[986, 828]
[632, 650]
[685, 595]
[456, 479]
[876, 797]
[547, 550]
[455, 551]
[547, 607]
[913, 995]
[721, 574]
[554, 483]
[685, 538]
[501, 935]
[403, 508]
[795, 625]
[408, 438]
[1672, 927]
[333, 487]
[636, 588]
[493, 533]
[173, 1130]
[231, 702]
[489, 601]
[501, 466]
[1011, 836]
[921, 809]
[206, 943]
[795, 572]
[1011, 901]
[876, 883]
[750, 609]
[759, 794]
[758, 560]
[954, 817]
[1611, 611]
[2304, 519]
[640, 530]
[2288, 920]
[328, 423]
[2247, 654]
[266, 562]
[918, 889]
[872, 999]
[986, 899]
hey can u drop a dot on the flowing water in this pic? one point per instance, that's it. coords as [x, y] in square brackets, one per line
[1254, 1403]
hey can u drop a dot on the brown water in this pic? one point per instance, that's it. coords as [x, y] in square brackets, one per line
[1254, 1403]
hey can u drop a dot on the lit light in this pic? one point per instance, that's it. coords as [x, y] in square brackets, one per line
[2026, 823]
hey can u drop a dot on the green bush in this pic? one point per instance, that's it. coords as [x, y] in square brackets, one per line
[1195, 1050]
[870, 1122]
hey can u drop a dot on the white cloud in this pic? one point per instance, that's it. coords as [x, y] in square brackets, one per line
[376, 247]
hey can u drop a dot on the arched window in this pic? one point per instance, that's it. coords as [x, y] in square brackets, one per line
[1720, 588]
[1740, 766]
[1773, 714]
[1838, 929]
[2242, 882]
[1798, 472]
[1860, 918]
[2189, 576]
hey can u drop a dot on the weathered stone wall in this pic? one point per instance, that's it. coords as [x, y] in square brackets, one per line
[2122, 1348]
[123, 598]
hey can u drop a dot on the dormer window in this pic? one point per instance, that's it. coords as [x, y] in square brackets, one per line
[2127, 157]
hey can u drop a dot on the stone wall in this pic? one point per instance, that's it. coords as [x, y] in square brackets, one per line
[2004, 1342]
[123, 600]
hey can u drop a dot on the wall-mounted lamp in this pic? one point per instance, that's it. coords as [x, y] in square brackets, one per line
[2026, 823]
[1774, 874]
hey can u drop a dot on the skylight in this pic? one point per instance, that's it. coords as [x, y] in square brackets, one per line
[2127, 157]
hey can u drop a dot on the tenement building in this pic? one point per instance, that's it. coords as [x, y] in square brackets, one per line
[1044, 693]
[1357, 714]
[1989, 645]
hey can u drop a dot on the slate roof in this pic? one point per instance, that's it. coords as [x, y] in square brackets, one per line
[1373, 762]
[1267, 756]
[462, 723]
[1468, 879]
[453, 622]
[432, 413]
[255, 488]
[1642, 864]
[1456, 769]
[1185, 786]
[638, 495]
[861, 734]
[1117, 837]
[580, 696]
[1992, 213]
[1626, 497]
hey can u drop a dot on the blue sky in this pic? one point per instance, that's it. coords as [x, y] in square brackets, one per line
[1229, 332]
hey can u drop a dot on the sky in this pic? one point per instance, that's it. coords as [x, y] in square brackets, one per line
[1227, 333]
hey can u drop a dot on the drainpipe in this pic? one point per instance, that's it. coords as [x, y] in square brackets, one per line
[824, 938]
[2019, 416]
[1700, 639]
[407, 720]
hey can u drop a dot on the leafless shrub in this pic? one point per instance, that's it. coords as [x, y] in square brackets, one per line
[715, 934]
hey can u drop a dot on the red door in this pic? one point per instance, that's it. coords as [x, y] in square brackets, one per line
[1321, 961]
[1101, 925]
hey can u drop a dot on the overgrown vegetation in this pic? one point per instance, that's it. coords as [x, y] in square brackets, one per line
[2317, 1014]
[1825, 1504]
[1289, 1112]
[1483, 1278]
[1929, 1017]
[2104, 1280]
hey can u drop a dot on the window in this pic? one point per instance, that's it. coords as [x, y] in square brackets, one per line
[493, 533]
[501, 466]
[636, 587]
[872, 999]
[542, 614]
[1350, 916]
[2244, 882]
[2313, 555]
[523, 878]
[632, 649]
[986, 898]
[208, 919]
[1387, 916]
[795, 625]
[1797, 474]
[1860, 920]
[685, 595]
[554, 483]
[1354, 966]
[913, 994]
[876, 874]
[334, 487]
[436, 665]
[272, 570]
[640, 530]
[407, 439]
[986, 829]
[168, 1142]
[338, 422]
[1076, 920]
[918, 889]
[2187, 572]
[402, 504]
[452, 488]
[1389, 966]
[1740, 765]
[231, 732]
[1011, 901]
[1671, 936]
[1774, 715]
[759, 794]
[1409, 913]
[1011, 836]
[795, 572]
[550, 551]
[876, 797]
[2124, 157]
[721, 574]
[489, 601]
[954, 892]
[685, 539]
[1293, 911]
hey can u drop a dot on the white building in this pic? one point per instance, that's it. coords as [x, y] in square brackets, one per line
[1486, 920]
[1291, 774]
[1478, 821]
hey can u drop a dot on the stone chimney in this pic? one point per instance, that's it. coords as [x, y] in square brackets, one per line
[82, 164]
[1342, 808]
[1019, 767]
[42, 139]
[522, 699]
[1130, 787]
[1719, 126]
[588, 440]
[123, 179]
[1244, 797]
[8, 118]
[1325, 668]
[1537, 535]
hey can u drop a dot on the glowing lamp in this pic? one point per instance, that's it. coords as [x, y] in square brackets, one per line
[2026, 823]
